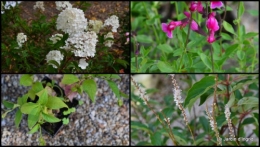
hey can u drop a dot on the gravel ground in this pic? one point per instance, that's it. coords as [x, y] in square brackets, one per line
[102, 123]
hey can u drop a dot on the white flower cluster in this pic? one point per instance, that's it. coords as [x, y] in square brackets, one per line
[112, 21]
[71, 21]
[54, 55]
[21, 38]
[39, 4]
[95, 25]
[83, 64]
[55, 38]
[230, 127]
[109, 43]
[60, 5]
[83, 44]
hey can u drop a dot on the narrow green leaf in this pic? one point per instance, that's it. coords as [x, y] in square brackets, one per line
[28, 108]
[18, 118]
[55, 103]
[90, 87]
[250, 35]
[53, 63]
[248, 101]
[206, 60]
[69, 79]
[241, 9]
[50, 118]
[26, 80]
[165, 48]
[253, 12]
[198, 89]
[34, 129]
[140, 126]
[228, 27]
[144, 39]
[114, 88]
[7, 104]
[163, 67]
[204, 122]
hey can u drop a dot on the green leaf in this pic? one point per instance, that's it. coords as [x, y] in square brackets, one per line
[80, 102]
[28, 108]
[204, 122]
[43, 96]
[206, 60]
[65, 121]
[69, 79]
[50, 118]
[256, 117]
[114, 88]
[250, 35]
[90, 87]
[163, 67]
[226, 36]
[144, 39]
[140, 126]
[120, 102]
[228, 27]
[241, 9]
[7, 104]
[253, 12]
[55, 103]
[230, 50]
[42, 141]
[248, 101]
[53, 62]
[26, 80]
[240, 55]
[35, 129]
[156, 138]
[33, 117]
[165, 48]
[18, 118]
[198, 89]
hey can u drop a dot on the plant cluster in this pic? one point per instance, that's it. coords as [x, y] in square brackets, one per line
[196, 39]
[46, 102]
[69, 42]
[216, 110]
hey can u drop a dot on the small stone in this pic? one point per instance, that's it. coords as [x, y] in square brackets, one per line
[92, 115]
[7, 78]
[119, 131]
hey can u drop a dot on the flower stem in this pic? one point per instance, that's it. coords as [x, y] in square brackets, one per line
[186, 42]
[211, 52]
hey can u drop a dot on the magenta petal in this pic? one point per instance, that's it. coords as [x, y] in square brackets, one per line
[216, 4]
[211, 38]
[200, 7]
[187, 14]
[169, 34]
[194, 25]
[165, 27]
[212, 23]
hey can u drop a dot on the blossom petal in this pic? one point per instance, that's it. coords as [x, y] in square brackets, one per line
[194, 25]
[216, 4]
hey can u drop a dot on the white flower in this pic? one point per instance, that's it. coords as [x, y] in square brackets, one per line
[21, 38]
[39, 4]
[95, 25]
[63, 5]
[82, 44]
[83, 64]
[55, 38]
[54, 55]
[109, 43]
[71, 21]
[112, 21]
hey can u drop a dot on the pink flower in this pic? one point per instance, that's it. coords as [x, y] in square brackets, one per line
[211, 37]
[216, 4]
[194, 26]
[196, 6]
[212, 23]
[168, 28]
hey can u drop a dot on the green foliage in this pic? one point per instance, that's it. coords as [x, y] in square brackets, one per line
[90, 87]
[190, 52]
[239, 92]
